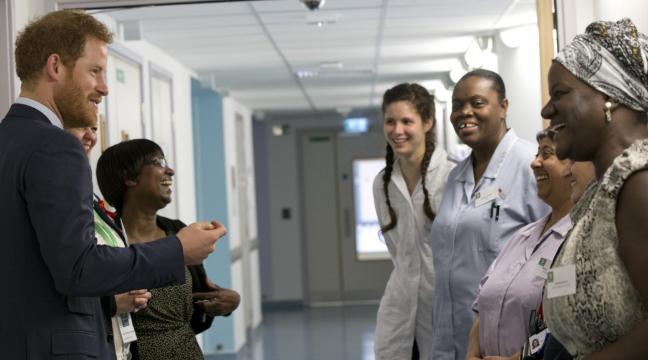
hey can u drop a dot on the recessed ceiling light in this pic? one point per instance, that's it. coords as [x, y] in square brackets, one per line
[306, 73]
[331, 65]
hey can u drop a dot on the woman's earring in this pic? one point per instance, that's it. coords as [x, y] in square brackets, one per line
[608, 112]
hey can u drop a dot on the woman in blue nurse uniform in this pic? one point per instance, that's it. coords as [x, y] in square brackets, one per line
[489, 196]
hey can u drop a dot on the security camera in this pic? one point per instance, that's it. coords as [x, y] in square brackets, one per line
[313, 4]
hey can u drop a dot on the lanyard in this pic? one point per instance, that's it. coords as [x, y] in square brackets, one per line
[105, 232]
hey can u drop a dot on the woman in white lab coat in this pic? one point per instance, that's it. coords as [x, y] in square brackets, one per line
[407, 194]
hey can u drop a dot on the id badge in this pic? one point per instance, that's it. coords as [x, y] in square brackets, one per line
[561, 281]
[486, 195]
[126, 328]
[536, 342]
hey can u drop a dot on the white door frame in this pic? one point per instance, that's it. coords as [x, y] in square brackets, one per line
[155, 71]
[7, 78]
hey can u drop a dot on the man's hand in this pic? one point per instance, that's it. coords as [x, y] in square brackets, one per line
[199, 240]
[132, 301]
[218, 301]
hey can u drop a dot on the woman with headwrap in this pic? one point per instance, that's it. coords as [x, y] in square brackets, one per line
[596, 296]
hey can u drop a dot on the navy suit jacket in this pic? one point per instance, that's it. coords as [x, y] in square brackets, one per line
[53, 270]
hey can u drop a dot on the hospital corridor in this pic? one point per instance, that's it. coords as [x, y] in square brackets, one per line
[322, 179]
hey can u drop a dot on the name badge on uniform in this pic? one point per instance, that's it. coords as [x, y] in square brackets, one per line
[561, 281]
[536, 342]
[542, 267]
[486, 195]
[126, 328]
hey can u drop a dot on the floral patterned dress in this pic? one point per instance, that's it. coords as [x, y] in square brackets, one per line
[164, 327]
[606, 305]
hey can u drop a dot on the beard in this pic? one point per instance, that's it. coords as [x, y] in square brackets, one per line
[74, 106]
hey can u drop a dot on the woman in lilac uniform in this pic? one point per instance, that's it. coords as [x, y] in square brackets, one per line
[512, 287]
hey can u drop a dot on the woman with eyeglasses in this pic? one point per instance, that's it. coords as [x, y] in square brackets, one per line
[135, 178]
[512, 287]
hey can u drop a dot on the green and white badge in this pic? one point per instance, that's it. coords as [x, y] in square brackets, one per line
[542, 268]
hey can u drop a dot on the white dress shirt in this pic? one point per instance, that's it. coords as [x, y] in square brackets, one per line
[42, 108]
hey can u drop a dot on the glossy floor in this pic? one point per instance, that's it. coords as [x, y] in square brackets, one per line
[326, 333]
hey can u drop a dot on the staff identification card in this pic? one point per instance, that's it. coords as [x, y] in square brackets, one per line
[486, 195]
[126, 328]
[561, 281]
[537, 341]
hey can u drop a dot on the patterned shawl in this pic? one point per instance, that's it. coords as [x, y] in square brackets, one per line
[612, 57]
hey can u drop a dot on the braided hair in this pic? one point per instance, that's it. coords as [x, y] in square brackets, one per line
[423, 102]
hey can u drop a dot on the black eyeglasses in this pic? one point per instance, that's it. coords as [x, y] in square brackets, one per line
[159, 162]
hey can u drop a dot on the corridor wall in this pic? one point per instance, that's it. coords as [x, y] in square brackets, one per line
[574, 15]
[211, 204]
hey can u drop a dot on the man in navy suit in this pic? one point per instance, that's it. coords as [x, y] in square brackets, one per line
[54, 272]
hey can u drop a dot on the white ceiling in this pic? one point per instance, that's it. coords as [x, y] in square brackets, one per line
[253, 50]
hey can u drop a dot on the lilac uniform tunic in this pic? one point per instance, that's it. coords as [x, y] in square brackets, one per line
[512, 287]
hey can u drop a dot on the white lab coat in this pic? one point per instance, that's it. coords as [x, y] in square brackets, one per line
[406, 307]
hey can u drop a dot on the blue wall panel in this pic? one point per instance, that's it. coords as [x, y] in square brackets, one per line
[211, 200]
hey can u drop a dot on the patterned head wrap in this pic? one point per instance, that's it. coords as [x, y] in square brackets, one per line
[612, 57]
